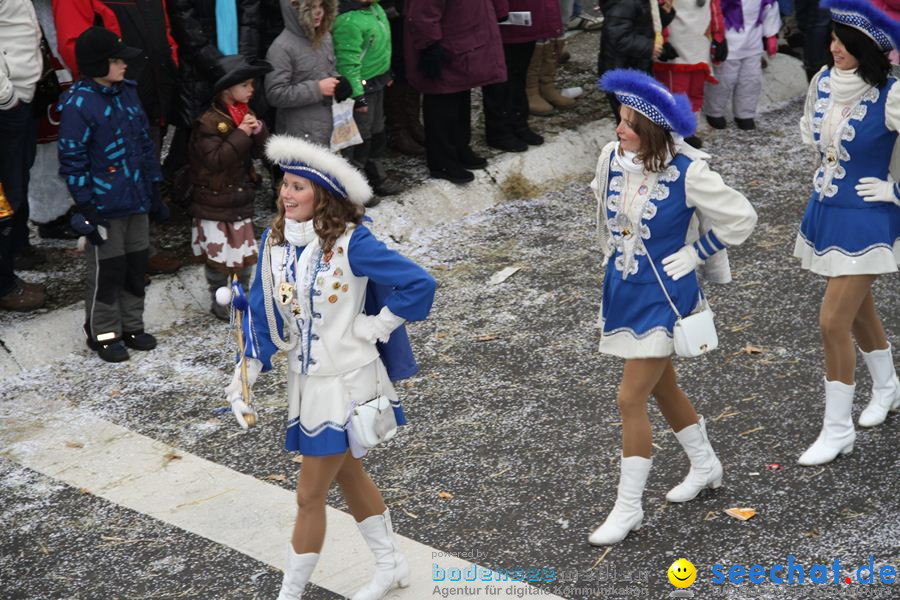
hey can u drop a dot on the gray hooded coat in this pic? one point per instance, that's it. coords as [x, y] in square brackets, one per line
[297, 66]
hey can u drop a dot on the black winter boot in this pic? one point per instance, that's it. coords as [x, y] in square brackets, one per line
[717, 122]
[139, 340]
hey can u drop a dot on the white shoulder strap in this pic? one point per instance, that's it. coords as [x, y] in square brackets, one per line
[599, 186]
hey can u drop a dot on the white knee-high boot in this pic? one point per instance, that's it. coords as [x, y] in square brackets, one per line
[706, 470]
[296, 573]
[837, 435]
[391, 568]
[885, 387]
[627, 514]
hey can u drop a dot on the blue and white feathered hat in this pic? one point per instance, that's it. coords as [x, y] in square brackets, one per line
[862, 15]
[318, 164]
[652, 99]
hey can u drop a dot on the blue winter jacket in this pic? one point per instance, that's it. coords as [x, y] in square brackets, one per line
[106, 156]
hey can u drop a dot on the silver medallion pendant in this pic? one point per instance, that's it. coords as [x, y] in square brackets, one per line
[624, 225]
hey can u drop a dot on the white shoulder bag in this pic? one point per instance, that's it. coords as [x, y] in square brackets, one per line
[694, 334]
[373, 421]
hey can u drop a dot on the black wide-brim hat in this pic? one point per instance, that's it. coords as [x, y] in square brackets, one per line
[95, 46]
[232, 70]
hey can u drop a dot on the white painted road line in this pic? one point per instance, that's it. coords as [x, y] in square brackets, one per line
[205, 498]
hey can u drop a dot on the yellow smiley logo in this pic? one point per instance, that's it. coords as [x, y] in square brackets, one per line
[682, 573]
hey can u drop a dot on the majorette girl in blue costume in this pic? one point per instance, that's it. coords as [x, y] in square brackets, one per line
[657, 200]
[335, 299]
[850, 232]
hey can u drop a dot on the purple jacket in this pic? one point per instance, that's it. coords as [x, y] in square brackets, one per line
[468, 31]
[546, 22]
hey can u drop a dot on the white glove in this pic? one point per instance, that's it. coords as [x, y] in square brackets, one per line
[376, 328]
[872, 189]
[241, 410]
[233, 390]
[681, 263]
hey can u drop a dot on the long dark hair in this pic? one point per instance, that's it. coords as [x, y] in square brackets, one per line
[874, 66]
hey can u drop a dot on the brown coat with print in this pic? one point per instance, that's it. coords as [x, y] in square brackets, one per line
[222, 173]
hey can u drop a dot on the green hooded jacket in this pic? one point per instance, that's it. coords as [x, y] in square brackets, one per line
[362, 43]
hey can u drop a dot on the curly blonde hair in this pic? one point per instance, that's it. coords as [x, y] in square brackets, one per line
[330, 217]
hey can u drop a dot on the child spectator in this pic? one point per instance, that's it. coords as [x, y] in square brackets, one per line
[749, 24]
[204, 32]
[109, 164]
[223, 143]
[362, 49]
[303, 78]
[697, 31]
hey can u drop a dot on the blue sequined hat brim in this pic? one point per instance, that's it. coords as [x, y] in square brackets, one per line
[646, 95]
[325, 180]
[864, 17]
[645, 108]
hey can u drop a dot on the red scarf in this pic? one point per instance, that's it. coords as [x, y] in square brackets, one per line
[238, 111]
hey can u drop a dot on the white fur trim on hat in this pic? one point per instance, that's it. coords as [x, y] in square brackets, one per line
[287, 150]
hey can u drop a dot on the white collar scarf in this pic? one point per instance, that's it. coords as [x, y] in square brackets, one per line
[299, 233]
[846, 86]
[627, 160]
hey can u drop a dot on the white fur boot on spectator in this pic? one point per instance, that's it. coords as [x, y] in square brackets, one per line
[837, 435]
[391, 568]
[296, 573]
[627, 514]
[706, 470]
[885, 387]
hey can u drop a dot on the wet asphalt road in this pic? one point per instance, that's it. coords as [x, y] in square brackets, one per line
[513, 413]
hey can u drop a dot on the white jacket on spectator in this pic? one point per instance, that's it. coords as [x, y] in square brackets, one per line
[20, 52]
[749, 40]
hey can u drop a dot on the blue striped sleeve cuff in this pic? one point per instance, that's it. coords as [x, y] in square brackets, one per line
[708, 245]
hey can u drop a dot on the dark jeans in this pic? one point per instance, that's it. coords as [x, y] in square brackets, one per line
[448, 128]
[815, 24]
[506, 103]
[18, 146]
